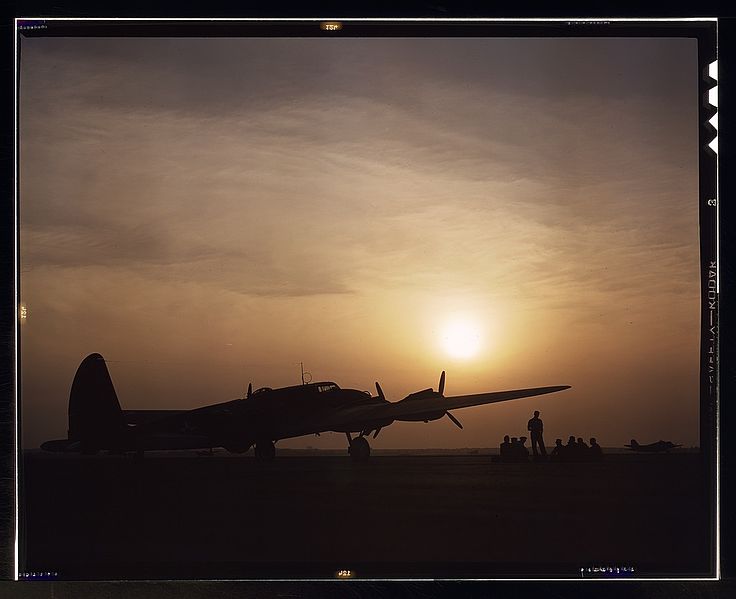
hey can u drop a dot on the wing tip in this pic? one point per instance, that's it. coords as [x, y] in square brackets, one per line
[556, 388]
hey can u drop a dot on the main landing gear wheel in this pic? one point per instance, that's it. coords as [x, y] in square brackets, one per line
[359, 449]
[265, 451]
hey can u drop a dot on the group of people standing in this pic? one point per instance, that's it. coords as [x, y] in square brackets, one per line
[576, 450]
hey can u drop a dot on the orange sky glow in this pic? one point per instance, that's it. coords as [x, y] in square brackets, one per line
[207, 213]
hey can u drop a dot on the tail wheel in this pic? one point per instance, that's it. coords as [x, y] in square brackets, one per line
[359, 449]
[265, 451]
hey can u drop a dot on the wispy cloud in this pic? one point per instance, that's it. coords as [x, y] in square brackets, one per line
[296, 188]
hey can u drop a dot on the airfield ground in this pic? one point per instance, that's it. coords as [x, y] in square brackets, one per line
[400, 516]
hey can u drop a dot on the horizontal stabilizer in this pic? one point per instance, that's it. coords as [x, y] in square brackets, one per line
[144, 417]
[61, 445]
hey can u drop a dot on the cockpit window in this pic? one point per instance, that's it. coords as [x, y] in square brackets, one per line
[325, 387]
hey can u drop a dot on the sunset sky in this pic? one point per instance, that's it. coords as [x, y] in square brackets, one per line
[207, 213]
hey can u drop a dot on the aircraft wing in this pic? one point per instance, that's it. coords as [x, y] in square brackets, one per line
[467, 401]
[414, 408]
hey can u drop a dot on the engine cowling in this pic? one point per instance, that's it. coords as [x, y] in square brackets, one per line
[423, 417]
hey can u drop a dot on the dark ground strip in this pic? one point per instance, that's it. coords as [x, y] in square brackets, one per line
[218, 517]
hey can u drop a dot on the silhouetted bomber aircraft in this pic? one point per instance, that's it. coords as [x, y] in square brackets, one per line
[264, 416]
[652, 447]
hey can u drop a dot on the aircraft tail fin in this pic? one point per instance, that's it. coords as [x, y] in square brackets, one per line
[634, 443]
[95, 417]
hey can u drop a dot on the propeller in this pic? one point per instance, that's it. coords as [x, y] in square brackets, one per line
[380, 393]
[366, 432]
[441, 391]
[455, 420]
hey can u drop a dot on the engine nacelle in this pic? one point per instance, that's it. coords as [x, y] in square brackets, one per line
[423, 394]
[424, 417]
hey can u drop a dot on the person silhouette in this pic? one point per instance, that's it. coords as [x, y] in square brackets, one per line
[505, 449]
[583, 449]
[595, 451]
[571, 451]
[514, 450]
[523, 451]
[536, 427]
[557, 451]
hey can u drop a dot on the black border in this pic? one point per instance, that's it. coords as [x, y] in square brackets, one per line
[704, 32]
[322, 589]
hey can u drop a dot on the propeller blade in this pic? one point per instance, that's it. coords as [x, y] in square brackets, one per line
[441, 388]
[250, 390]
[380, 391]
[455, 420]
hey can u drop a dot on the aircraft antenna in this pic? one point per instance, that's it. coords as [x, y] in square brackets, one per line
[308, 375]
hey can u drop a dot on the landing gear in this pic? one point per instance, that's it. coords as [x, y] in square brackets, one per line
[265, 451]
[359, 449]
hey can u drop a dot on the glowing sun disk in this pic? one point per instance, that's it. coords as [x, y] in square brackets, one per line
[461, 339]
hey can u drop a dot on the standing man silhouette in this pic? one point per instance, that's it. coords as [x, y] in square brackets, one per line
[535, 426]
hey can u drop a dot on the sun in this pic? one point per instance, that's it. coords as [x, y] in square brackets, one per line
[461, 339]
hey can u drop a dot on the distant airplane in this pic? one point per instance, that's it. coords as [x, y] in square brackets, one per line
[96, 421]
[652, 447]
